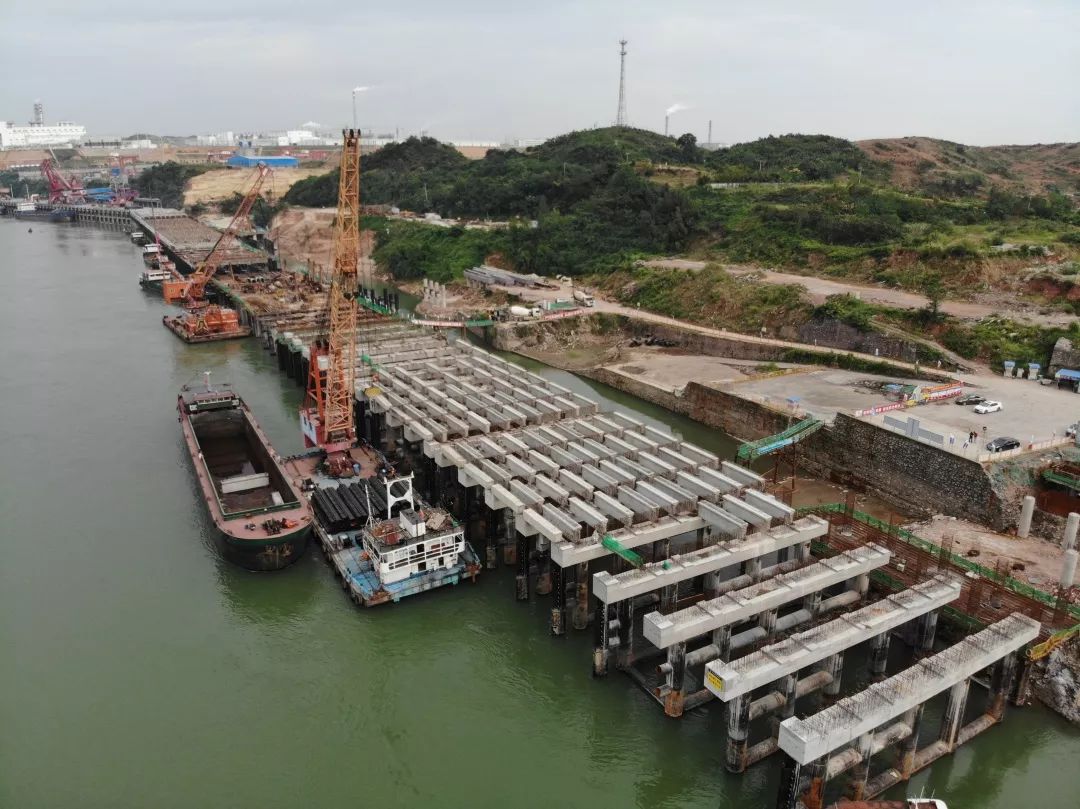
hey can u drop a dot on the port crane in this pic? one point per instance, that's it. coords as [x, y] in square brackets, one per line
[61, 188]
[326, 419]
[205, 319]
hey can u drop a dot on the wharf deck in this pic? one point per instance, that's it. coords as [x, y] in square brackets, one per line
[189, 241]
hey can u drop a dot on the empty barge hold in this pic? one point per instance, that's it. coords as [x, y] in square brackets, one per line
[262, 520]
[385, 545]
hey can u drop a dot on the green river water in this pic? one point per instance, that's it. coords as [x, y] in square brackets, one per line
[137, 669]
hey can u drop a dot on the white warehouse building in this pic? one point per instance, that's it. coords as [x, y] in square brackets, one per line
[30, 136]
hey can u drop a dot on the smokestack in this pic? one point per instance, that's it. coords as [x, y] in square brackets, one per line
[666, 119]
[710, 132]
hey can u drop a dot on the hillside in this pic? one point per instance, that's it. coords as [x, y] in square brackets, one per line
[940, 166]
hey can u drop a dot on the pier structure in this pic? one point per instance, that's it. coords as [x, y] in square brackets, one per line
[786, 595]
[811, 660]
[188, 241]
[845, 736]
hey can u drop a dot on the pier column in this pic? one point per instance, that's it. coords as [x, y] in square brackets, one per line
[1001, 682]
[789, 688]
[752, 568]
[492, 523]
[580, 618]
[558, 605]
[879, 654]
[673, 701]
[625, 655]
[1027, 511]
[738, 728]
[791, 771]
[954, 714]
[910, 743]
[721, 639]
[1072, 523]
[767, 621]
[812, 603]
[509, 538]
[834, 665]
[861, 771]
[522, 578]
[601, 630]
[927, 633]
[712, 585]
[543, 571]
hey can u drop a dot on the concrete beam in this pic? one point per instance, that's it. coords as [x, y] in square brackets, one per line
[723, 522]
[728, 680]
[566, 553]
[809, 739]
[733, 608]
[610, 588]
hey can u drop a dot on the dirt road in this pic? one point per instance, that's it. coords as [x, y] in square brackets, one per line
[818, 289]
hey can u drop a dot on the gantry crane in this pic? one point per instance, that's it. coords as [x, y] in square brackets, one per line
[204, 321]
[326, 419]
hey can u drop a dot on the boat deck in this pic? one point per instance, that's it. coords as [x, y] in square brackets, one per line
[362, 584]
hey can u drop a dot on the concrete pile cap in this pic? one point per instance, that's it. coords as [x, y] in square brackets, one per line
[728, 680]
[806, 740]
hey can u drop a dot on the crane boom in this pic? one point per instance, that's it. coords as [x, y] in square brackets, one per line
[192, 290]
[327, 419]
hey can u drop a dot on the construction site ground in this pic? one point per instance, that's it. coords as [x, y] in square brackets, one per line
[221, 184]
[1040, 558]
[818, 289]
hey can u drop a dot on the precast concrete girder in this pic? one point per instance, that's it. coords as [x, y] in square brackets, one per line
[723, 522]
[542, 463]
[550, 489]
[743, 475]
[498, 496]
[613, 508]
[567, 553]
[519, 469]
[526, 494]
[473, 475]
[643, 508]
[587, 514]
[746, 512]
[698, 487]
[721, 481]
[566, 523]
[575, 484]
[596, 478]
[770, 505]
[617, 472]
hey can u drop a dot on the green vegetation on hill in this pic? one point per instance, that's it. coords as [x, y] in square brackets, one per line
[19, 188]
[791, 158]
[167, 181]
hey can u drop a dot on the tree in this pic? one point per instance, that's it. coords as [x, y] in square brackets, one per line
[687, 147]
[934, 291]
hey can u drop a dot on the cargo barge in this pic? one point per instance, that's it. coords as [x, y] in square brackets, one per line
[262, 520]
[384, 544]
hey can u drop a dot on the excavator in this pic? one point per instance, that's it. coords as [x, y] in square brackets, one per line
[326, 419]
[205, 322]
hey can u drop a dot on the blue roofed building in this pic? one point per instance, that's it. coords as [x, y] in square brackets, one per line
[241, 161]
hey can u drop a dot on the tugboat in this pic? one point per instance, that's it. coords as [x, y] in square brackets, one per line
[262, 520]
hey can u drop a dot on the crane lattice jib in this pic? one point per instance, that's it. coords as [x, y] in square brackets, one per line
[341, 349]
[209, 265]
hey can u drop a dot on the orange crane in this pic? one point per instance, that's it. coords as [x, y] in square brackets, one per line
[205, 322]
[326, 419]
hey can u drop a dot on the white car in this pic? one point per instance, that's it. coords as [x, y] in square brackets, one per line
[988, 407]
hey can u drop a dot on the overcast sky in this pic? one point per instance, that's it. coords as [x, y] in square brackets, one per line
[975, 72]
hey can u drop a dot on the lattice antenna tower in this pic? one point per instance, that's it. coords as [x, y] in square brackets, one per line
[620, 117]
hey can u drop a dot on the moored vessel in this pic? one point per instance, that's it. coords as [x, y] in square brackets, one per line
[261, 518]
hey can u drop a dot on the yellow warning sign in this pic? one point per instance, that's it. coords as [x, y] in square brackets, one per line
[714, 680]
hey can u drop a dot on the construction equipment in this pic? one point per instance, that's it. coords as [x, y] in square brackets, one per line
[1041, 650]
[616, 547]
[326, 419]
[61, 189]
[205, 321]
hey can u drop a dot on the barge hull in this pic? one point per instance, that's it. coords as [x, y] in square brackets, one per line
[173, 324]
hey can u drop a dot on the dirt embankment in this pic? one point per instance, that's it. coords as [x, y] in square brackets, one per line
[221, 184]
[305, 236]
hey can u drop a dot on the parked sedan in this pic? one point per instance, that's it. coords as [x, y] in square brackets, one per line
[971, 399]
[988, 407]
[1003, 443]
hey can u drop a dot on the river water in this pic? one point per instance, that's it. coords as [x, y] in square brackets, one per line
[137, 669]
